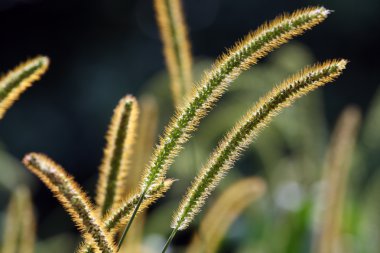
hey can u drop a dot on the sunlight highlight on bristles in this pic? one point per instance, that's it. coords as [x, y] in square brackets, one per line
[289, 25]
[19, 79]
[147, 134]
[233, 201]
[173, 30]
[73, 199]
[117, 154]
[245, 53]
[118, 216]
[20, 225]
[243, 133]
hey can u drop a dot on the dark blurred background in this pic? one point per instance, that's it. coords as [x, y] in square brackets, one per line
[101, 50]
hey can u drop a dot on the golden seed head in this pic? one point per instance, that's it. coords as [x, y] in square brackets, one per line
[19, 79]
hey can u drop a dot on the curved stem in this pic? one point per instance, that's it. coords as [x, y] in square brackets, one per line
[170, 239]
[130, 221]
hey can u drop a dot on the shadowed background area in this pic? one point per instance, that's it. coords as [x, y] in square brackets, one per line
[101, 50]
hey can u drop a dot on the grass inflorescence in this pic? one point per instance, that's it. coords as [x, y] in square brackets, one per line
[73, 199]
[117, 154]
[105, 223]
[19, 79]
[242, 134]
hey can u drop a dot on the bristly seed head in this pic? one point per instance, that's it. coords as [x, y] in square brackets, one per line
[244, 132]
[73, 199]
[244, 54]
[117, 154]
[118, 216]
[19, 79]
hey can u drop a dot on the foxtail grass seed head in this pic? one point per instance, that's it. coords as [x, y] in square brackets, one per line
[19, 79]
[117, 154]
[118, 216]
[73, 199]
[177, 53]
[243, 133]
[147, 134]
[244, 54]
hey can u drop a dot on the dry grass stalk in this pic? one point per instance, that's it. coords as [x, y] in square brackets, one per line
[20, 224]
[227, 208]
[335, 177]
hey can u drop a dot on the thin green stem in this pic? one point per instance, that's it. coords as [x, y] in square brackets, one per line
[170, 239]
[131, 220]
